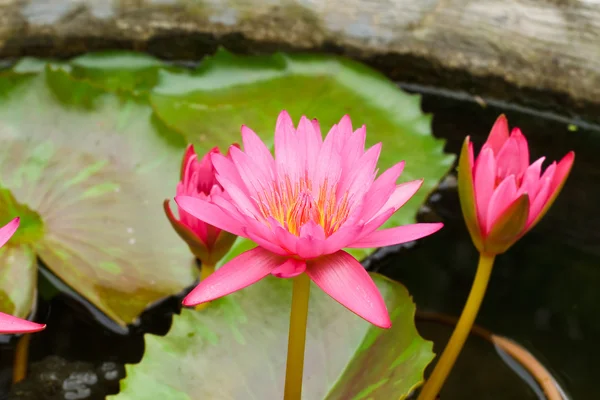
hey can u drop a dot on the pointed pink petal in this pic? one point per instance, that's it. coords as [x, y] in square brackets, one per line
[562, 170]
[538, 202]
[523, 150]
[287, 158]
[345, 280]
[225, 168]
[466, 193]
[397, 235]
[559, 177]
[358, 179]
[342, 237]
[238, 197]
[498, 134]
[210, 213]
[256, 149]
[328, 168]
[508, 159]
[242, 271]
[12, 325]
[189, 152]
[531, 178]
[255, 178]
[354, 147]
[484, 183]
[290, 268]
[8, 230]
[403, 192]
[312, 240]
[317, 128]
[381, 190]
[504, 195]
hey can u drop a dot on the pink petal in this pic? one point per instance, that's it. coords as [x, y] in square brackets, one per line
[256, 149]
[399, 234]
[11, 325]
[312, 240]
[504, 195]
[310, 143]
[401, 195]
[358, 179]
[189, 153]
[354, 147]
[562, 170]
[498, 134]
[225, 168]
[341, 238]
[8, 230]
[484, 183]
[239, 197]
[508, 159]
[540, 199]
[317, 128]
[381, 190]
[210, 213]
[286, 148]
[345, 280]
[523, 150]
[531, 178]
[290, 268]
[255, 177]
[242, 271]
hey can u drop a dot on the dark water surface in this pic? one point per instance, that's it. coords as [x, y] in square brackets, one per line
[544, 292]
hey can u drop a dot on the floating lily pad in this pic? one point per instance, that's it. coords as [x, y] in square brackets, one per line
[236, 349]
[95, 168]
[209, 105]
[118, 70]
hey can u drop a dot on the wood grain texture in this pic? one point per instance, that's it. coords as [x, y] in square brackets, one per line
[545, 45]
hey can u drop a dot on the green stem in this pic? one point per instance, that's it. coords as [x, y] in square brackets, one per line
[461, 332]
[21, 358]
[297, 338]
[205, 271]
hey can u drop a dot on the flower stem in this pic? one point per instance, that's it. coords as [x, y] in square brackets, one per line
[21, 358]
[461, 332]
[297, 338]
[205, 271]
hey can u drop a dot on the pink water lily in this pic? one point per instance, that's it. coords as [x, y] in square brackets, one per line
[9, 323]
[302, 208]
[208, 243]
[502, 196]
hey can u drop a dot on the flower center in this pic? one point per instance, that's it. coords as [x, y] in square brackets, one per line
[295, 204]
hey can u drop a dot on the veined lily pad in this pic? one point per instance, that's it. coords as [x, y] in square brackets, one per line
[95, 168]
[236, 349]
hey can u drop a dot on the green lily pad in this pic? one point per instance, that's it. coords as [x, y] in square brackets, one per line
[95, 168]
[118, 70]
[209, 105]
[236, 349]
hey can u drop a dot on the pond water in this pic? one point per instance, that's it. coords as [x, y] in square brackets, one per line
[543, 292]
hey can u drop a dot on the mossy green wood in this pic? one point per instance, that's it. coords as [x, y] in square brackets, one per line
[89, 171]
[236, 348]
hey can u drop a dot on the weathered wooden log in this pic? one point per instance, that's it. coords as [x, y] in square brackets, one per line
[549, 48]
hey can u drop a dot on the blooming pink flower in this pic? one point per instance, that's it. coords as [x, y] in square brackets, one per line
[501, 195]
[9, 323]
[207, 242]
[302, 208]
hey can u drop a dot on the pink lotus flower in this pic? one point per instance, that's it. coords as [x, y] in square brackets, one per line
[207, 243]
[501, 195]
[8, 323]
[302, 208]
